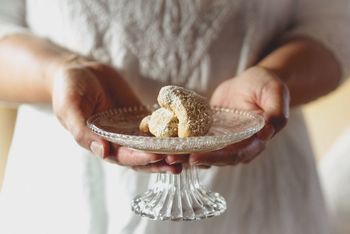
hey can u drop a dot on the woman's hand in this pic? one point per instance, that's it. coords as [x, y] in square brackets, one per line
[258, 90]
[81, 88]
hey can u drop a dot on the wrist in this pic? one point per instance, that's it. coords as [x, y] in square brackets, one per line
[59, 65]
[268, 75]
[272, 72]
[276, 76]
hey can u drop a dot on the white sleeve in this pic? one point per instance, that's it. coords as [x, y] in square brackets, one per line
[327, 22]
[12, 17]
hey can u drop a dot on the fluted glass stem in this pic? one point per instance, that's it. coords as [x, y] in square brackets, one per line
[178, 197]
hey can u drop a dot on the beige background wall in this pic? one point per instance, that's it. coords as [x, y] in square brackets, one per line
[328, 117]
[7, 122]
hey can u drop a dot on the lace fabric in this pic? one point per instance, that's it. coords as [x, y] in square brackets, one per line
[170, 37]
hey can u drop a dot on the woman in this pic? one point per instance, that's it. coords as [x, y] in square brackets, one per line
[102, 54]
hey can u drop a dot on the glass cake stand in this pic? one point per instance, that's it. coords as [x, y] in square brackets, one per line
[176, 197]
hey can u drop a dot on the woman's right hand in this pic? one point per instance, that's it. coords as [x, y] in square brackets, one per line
[81, 88]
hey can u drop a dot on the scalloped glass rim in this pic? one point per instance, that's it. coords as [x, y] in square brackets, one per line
[229, 126]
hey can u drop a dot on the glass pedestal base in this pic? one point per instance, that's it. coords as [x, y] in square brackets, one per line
[178, 198]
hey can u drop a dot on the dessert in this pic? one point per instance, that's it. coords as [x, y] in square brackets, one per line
[183, 113]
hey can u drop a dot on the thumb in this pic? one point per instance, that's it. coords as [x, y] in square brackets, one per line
[86, 138]
[75, 121]
[274, 101]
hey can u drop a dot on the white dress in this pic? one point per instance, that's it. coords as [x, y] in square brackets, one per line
[335, 174]
[54, 186]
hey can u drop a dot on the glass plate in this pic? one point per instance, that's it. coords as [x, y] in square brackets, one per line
[121, 126]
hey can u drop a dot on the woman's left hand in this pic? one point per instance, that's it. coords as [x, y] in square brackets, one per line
[258, 90]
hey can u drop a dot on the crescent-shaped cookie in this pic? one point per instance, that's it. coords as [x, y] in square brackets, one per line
[191, 109]
[183, 113]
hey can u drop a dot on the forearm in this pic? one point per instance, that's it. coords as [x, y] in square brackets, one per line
[26, 65]
[306, 67]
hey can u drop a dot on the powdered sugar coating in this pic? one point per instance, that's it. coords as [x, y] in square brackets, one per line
[163, 123]
[191, 109]
[144, 124]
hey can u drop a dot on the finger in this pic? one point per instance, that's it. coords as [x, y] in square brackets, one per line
[220, 157]
[177, 158]
[129, 157]
[252, 151]
[232, 155]
[274, 100]
[215, 158]
[72, 112]
[160, 167]
[99, 147]
[266, 133]
[76, 124]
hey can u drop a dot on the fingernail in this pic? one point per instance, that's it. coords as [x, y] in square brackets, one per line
[194, 163]
[267, 133]
[174, 159]
[175, 162]
[172, 162]
[97, 148]
[157, 160]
